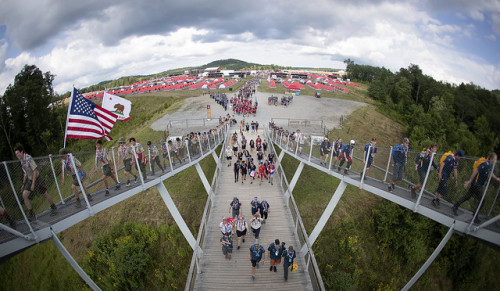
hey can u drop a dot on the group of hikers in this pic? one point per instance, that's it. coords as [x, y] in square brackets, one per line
[331, 153]
[130, 155]
[285, 100]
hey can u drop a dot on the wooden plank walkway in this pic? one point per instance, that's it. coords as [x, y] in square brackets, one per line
[217, 273]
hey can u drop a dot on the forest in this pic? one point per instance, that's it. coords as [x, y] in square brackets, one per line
[454, 116]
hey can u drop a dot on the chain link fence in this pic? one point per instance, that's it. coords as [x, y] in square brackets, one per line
[49, 189]
[309, 147]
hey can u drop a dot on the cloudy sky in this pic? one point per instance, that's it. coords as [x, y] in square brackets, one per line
[85, 42]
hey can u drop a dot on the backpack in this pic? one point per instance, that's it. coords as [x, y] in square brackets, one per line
[479, 162]
[421, 157]
[445, 155]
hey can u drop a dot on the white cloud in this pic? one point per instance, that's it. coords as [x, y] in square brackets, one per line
[476, 15]
[394, 35]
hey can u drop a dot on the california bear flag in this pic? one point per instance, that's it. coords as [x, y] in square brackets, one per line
[118, 105]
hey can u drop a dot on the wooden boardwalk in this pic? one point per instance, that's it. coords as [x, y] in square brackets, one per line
[217, 273]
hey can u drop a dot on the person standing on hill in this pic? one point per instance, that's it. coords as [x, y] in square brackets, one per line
[476, 182]
[448, 163]
[400, 157]
[32, 182]
[423, 162]
[257, 256]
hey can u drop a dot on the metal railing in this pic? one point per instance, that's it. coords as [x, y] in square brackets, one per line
[382, 170]
[311, 264]
[194, 268]
[52, 169]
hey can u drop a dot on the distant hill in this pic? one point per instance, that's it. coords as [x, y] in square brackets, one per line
[231, 64]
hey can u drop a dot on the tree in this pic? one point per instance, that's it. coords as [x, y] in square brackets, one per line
[26, 117]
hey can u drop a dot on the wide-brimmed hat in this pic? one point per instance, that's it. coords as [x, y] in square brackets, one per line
[121, 140]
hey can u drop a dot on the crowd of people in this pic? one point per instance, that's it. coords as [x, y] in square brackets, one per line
[335, 152]
[285, 100]
[252, 161]
[132, 156]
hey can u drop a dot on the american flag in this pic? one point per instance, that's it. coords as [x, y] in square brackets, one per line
[87, 120]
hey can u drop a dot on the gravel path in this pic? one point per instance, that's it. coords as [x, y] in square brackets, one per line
[328, 110]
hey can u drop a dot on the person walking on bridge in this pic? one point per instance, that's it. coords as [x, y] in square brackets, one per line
[125, 152]
[400, 157]
[257, 256]
[32, 182]
[369, 155]
[483, 168]
[67, 166]
[288, 258]
[103, 159]
[423, 162]
[448, 163]
[275, 252]
[346, 155]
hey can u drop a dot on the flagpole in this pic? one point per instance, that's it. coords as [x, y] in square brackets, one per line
[67, 115]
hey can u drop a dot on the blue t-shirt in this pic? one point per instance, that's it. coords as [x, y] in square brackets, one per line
[400, 154]
[289, 256]
[482, 174]
[370, 151]
[423, 161]
[450, 163]
[257, 253]
[275, 251]
[347, 150]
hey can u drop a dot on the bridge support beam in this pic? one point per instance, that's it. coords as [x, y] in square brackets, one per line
[204, 180]
[176, 214]
[296, 176]
[282, 154]
[430, 259]
[73, 263]
[326, 214]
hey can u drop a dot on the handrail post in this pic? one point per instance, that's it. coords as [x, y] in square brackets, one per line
[311, 149]
[169, 158]
[84, 194]
[55, 179]
[114, 164]
[364, 167]
[19, 202]
[494, 201]
[425, 182]
[476, 213]
[331, 157]
[187, 149]
[388, 164]
[208, 141]
[287, 142]
[297, 142]
[138, 166]
[199, 143]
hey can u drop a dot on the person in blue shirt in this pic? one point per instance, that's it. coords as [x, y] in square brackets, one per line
[422, 163]
[288, 257]
[449, 165]
[336, 148]
[275, 252]
[346, 154]
[477, 180]
[257, 255]
[400, 157]
[369, 154]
